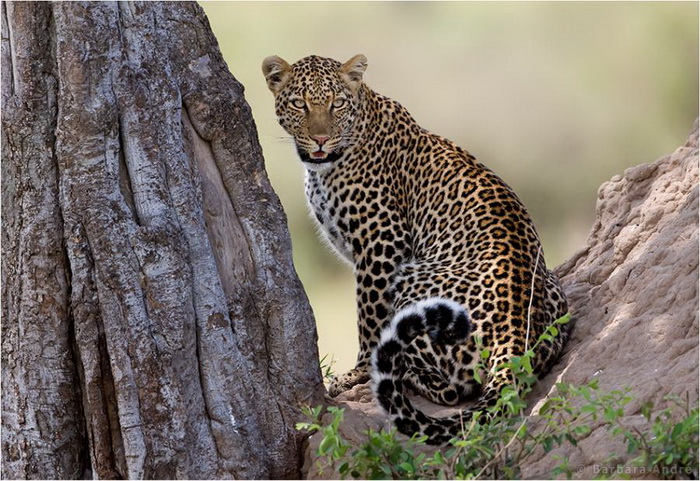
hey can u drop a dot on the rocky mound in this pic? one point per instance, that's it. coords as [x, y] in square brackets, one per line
[633, 291]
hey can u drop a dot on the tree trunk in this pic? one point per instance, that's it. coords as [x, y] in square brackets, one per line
[153, 324]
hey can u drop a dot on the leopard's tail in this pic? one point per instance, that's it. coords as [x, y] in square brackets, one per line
[444, 322]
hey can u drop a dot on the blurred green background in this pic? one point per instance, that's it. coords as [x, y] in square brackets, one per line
[555, 97]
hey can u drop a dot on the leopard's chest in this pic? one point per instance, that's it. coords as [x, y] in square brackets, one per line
[357, 207]
[331, 213]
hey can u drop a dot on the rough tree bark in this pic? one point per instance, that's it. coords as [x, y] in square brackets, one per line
[153, 324]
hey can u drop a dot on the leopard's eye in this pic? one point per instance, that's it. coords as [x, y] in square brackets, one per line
[299, 104]
[339, 103]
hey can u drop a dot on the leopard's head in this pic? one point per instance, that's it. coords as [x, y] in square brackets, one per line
[317, 101]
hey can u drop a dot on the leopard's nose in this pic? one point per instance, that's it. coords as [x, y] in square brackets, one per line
[321, 139]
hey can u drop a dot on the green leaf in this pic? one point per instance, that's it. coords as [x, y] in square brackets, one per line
[325, 445]
[438, 458]
[646, 410]
[582, 430]
[547, 444]
[546, 406]
[571, 439]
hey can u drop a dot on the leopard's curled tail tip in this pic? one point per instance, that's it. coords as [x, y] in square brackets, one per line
[444, 322]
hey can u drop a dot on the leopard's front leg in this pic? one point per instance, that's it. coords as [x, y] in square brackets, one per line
[373, 273]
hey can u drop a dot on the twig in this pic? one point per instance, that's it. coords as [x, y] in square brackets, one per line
[532, 296]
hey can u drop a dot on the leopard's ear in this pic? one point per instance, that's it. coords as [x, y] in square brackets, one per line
[352, 70]
[277, 72]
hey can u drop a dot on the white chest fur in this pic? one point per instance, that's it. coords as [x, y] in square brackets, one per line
[324, 209]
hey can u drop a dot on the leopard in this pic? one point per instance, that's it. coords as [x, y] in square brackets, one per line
[447, 262]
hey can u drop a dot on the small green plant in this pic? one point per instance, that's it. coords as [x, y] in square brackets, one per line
[327, 368]
[670, 453]
[494, 443]
[383, 456]
[333, 446]
[668, 449]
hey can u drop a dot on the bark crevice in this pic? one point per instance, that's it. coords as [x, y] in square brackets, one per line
[8, 27]
[125, 178]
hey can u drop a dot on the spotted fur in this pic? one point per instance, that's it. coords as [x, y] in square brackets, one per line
[443, 250]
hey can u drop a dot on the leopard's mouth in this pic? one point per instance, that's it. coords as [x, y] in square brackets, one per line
[318, 157]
